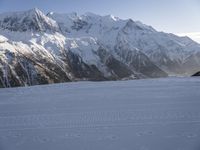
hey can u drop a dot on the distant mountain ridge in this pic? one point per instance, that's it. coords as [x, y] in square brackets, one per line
[39, 49]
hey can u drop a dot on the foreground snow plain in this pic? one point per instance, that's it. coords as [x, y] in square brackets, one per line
[150, 114]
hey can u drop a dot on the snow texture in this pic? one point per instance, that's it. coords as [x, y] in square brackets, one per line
[151, 114]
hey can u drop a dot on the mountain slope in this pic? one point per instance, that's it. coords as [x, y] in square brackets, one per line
[32, 20]
[37, 49]
[167, 51]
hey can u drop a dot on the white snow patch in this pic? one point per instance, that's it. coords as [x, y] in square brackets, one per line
[151, 114]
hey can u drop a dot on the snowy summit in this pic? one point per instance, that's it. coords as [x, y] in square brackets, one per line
[38, 48]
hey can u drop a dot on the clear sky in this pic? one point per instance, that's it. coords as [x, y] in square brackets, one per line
[175, 16]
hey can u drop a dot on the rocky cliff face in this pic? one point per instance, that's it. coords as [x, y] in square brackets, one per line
[39, 49]
[196, 74]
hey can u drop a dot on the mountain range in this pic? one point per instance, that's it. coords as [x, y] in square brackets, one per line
[38, 48]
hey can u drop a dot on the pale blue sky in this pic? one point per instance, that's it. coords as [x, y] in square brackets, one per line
[176, 16]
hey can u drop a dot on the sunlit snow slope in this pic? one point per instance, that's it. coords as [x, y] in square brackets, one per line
[156, 114]
[38, 48]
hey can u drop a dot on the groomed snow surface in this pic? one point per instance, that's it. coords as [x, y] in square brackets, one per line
[151, 114]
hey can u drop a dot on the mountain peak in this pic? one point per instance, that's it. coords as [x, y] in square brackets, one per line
[87, 47]
[35, 11]
[112, 17]
[91, 14]
[31, 20]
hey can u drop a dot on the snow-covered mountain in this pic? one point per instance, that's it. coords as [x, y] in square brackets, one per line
[31, 20]
[36, 49]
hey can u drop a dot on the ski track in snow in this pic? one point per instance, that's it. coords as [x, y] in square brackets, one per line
[153, 114]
